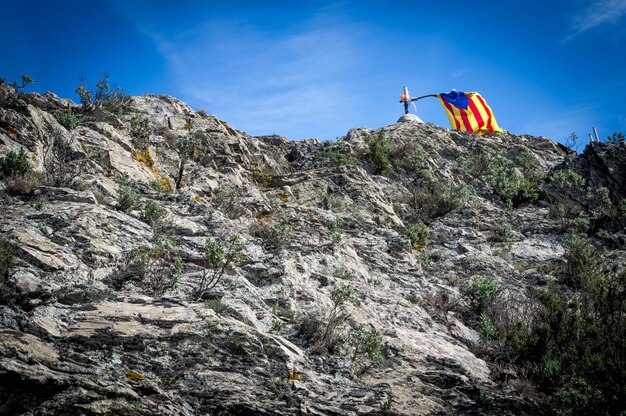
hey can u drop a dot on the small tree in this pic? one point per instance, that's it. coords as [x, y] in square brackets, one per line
[616, 137]
[26, 80]
[110, 97]
[219, 254]
[15, 164]
[379, 153]
[188, 147]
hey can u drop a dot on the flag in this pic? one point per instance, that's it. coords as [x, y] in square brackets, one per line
[468, 111]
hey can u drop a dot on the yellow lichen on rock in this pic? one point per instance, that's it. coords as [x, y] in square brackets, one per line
[143, 156]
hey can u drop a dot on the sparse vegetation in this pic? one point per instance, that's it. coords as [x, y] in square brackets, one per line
[616, 137]
[7, 256]
[336, 157]
[140, 129]
[153, 215]
[481, 293]
[368, 343]
[127, 200]
[107, 96]
[68, 119]
[15, 164]
[503, 232]
[219, 254]
[379, 153]
[326, 331]
[418, 233]
[430, 198]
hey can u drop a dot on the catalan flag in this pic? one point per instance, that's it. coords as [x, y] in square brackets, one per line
[469, 111]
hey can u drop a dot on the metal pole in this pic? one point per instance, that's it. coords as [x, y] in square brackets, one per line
[596, 133]
[406, 100]
[590, 138]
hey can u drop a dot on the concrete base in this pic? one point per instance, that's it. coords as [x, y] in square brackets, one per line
[410, 118]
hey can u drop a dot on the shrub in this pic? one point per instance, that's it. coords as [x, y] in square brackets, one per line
[156, 267]
[335, 223]
[126, 200]
[18, 185]
[367, 343]
[503, 178]
[110, 97]
[486, 328]
[575, 345]
[7, 256]
[418, 233]
[378, 153]
[26, 80]
[274, 235]
[503, 232]
[15, 164]
[140, 129]
[159, 267]
[153, 215]
[429, 198]
[219, 254]
[616, 137]
[326, 331]
[581, 261]
[67, 118]
[336, 157]
[481, 293]
[219, 307]
[189, 147]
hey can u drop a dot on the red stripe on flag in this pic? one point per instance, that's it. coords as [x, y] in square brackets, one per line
[477, 115]
[489, 115]
[449, 108]
[466, 122]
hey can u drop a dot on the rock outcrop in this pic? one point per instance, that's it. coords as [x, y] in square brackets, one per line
[85, 331]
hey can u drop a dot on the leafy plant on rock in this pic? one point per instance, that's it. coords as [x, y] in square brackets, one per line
[15, 164]
[219, 254]
[378, 153]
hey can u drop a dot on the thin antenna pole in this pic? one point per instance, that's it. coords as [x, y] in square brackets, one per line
[596, 133]
[590, 137]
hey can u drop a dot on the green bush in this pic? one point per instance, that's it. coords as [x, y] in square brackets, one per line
[140, 128]
[127, 200]
[15, 164]
[336, 157]
[616, 137]
[110, 97]
[418, 233]
[219, 254]
[430, 198]
[581, 260]
[152, 214]
[327, 330]
[159, 267]
[503, 232]
[503, 178]
[486, 328]
[67, 118]
[481, 293]
[378, 153]
[367, 343]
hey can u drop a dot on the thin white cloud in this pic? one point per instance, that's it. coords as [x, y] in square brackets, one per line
[597, 13]
[266, 82]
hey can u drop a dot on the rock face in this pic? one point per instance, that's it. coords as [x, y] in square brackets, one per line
[85, 331]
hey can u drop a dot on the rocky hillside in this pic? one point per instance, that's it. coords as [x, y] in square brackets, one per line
[155, 260]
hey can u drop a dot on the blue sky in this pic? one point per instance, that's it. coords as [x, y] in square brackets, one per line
[318, 68]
